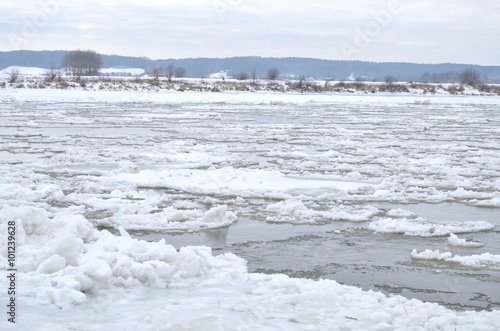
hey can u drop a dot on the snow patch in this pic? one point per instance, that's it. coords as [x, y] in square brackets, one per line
[23, 71]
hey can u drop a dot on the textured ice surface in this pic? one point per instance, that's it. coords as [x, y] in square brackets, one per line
[92, 280]
[184, 162]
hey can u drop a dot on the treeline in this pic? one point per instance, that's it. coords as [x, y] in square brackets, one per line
[89, 63]
[169, 72]
[468, 77]
[82, 63]
[290, 68]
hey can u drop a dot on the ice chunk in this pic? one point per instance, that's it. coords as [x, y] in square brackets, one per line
[287, 206]
[217, 215]
[123, 232]
[66, 246]
[430, 255]
[400, 213]
[486, 260]
[235, 181]
[425, 228]
[171, 218]
[295, 211]
[453, 240]
[192, 261]
[61, 297]
[52, 264]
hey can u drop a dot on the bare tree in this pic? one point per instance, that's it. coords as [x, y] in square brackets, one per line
[157, 72]
[241, 76]
[389, 80]
[425, 78]
[169, 72]
[302, 79]
[273, 73]
[14, 75]
[82, 63]
[180, 72]
[254, 76]
[470, 77]
[445, 77]
[53, 73]
[328, 80]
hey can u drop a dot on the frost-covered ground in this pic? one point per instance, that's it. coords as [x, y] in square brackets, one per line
[113, 79]
[359, 189]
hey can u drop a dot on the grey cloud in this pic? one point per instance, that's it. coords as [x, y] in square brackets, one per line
[279, 28]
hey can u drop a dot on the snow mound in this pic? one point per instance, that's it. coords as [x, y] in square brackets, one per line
[425, 228]
[483, 261]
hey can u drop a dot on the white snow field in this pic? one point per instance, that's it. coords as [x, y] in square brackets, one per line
[250, 211]
[23, 71]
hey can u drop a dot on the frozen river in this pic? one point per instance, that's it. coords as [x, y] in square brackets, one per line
[352, 189]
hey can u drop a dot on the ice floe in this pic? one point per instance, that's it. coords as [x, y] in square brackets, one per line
[426, 228]
[485, 260]
[454, 241]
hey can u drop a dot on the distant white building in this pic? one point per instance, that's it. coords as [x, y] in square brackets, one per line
[219, 75]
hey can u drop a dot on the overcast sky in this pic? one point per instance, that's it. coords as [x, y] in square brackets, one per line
[424, 31]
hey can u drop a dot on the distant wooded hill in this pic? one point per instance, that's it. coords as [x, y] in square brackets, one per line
[288, 67]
